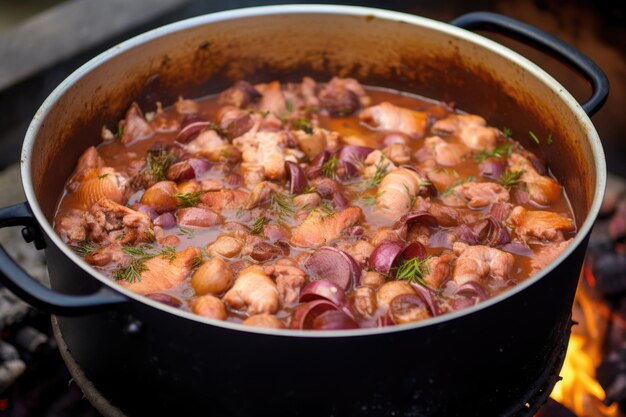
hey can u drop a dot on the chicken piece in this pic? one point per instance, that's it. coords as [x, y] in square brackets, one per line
[476, 195]
[372, 279]
[376, 163]
[542, 190]
[397, 191]
[211, 146]
[198, 217]
[265, 150]
[474, 263]
[438, 269]
[226, 246]
[317, 230]
[472, 130]
[162, 123]
[106, 255]
[240, 95]
[391, 290]
[386, 116]
[234, 121]
[307, 92]
[289, 280]
[268, 321]
[261, 194]
[224, 199]
[342, 96]
[383, 234]
[135, 127]
[209, 306]
[163, 273]
[315, 142]
[398, 153]
[252, 173]
[212, 277]
[364, 301]
[70, 226]
[445, 154]
[254, 291]
[307, 201]
[98, 183]
[359, 250]
[545, 254]
[542, 225]
[186, 107]
[109, 221]
[90, 159]
[272, 98]
[447, 216]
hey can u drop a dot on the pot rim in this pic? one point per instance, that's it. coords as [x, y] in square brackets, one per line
[137, 41]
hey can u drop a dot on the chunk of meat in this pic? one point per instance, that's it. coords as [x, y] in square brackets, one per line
[240, 95]
[545, 254]
[398, 153]
[475, 263]
[364, 301]
[90, 159]
[471, 129]
[254, 291]
[447, 216]
[439, 269]
[272, 98]
[135, 127]
[198, 217]
[261, 194]
[186, 107]
[70, 226]
[289, 280]
[476, 195]
[265, 320]
[317, 230]
[342, 96]
[359, 250]
[386, 116]
[224, 199]
[234, 121]
[372, 279]
[161, 122]
[107, 254]
[542, 225]
[375, 163]
[307, 92]
[397, 191]
[265, 150]
[209, 306]
[211, 146]
[98, 183]
[307, 201]
[315, 142]
[162, 273]
[446, 154]
[110, 221]
[542, 190]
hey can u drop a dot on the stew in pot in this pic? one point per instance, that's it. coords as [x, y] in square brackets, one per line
[314, 206]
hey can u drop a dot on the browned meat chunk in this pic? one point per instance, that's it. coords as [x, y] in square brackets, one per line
[254, 291]
[90, 159]
[317, 230]
[265, 150]
[475, 263]
[265, 320]
[289, 280]
[476, 195]
[135, 127]
[542, 190]
[446, 154]
[342, 96]
[391, 290]
[439, 269]
[240, 95]
[109, 221]
[272, 98]
[545, 254]
[224, 199]
[69, 225]
[471, 129]
[542, 225]
[397, 191]
[386, 116]
[447, 216]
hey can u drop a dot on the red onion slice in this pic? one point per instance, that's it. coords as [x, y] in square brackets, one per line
[492, 168]
[165, 299]
[295, 176]
[384, 255]
[190, 129]
[440, 239]
[490, 232]
[473, 289]
[517, 248]
[429, 298]
[500, 211]
[350, 156]
[142, 208]
[464, 233]
[322, 289]
[334, 320]
[415, 216]
[333, 265]
[165, 220]
[303, 315]
[414, 250]
[315, 167]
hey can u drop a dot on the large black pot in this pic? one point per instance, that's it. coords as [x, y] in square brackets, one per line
[150, 359]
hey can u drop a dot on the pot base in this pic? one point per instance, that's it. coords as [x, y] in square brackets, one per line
[526, 406]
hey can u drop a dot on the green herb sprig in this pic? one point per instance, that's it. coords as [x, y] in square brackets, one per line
[455, 184]
[257, 227]
[189, 199]
[329, 167]
[379, 174]
[157, 164]
[282, 205]
[86, 248]
[413, 271]
[509, 178]
[499, 152]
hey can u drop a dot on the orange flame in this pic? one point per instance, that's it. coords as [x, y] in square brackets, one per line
[579, 391]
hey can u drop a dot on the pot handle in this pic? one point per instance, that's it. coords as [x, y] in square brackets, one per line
[547, 43]
[29, 289]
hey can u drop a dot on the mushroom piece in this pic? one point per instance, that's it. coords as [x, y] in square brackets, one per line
[209, 306]
[212, 277]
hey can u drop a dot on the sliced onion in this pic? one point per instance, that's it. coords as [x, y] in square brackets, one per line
[427, 295]
[415, 216]
[191, 128]
[406, 308]
[538, 164]
[519, 196]
[165, 299]
[295, 176]
[333, 265]
[490, 232]
[500, 211]
[423, 154]
[414, 250]
[517, 248]
[142, 208]
[464, 233]
[165, 220]
[440, 239]
[200, 166]
[323, 289]
[304, 314]
[427, 184]
[315, 167]
[492, 168]
[351, 154]
[472, 289]
[462, 303]
[334, 320]
[328, 188]
[384, 255]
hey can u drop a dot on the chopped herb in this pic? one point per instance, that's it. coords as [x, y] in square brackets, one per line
[282, 205]
[309, 189]
[325, 210]
[499, 152]
[550, 139]
[189, 199]
[534, 137]
[329, 167]
[168, 252]
[284, 116]
[379, 174]
[86, 248]
[302, 123]
[455, 184]
[371, 200]
[413, 270]
[100, 177]
[120, 130]
[264, 114]
[257, 226]
[150, 235]
[289, 105]
[140, 251]
[132, 272]
[425, 183]
[240, 211]
[509, 178]
[157, 164]
[185, 231]
[412, 196]
[196, 261]
[310, 109]
[344, 111]
[121, 236]
[507, 132]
